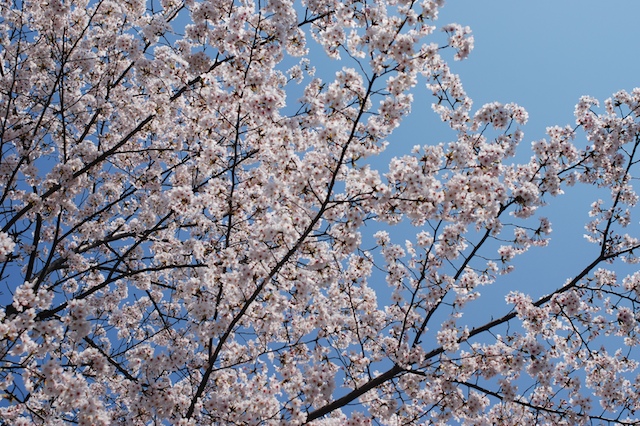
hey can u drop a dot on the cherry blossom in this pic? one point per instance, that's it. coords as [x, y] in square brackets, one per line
[196, 229]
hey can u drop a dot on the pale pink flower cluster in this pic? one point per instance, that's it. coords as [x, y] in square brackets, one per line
[6, 246]
[460, 39]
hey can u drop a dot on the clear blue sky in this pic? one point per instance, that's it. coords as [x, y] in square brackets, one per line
[547, 53]
[543, 55]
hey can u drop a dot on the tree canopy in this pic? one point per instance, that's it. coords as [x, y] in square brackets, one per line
[193, 229]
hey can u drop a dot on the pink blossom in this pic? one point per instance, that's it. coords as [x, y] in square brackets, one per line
[199, 225]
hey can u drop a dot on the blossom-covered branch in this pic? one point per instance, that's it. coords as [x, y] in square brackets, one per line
[196, 229]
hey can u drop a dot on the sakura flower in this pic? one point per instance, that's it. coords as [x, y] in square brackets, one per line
[6, 245]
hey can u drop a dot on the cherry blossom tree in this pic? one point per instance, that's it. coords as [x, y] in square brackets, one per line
[193, 230]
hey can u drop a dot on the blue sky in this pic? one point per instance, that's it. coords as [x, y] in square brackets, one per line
[542, 55]
[545, 54]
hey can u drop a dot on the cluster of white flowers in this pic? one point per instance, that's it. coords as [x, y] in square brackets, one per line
[6, 246]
